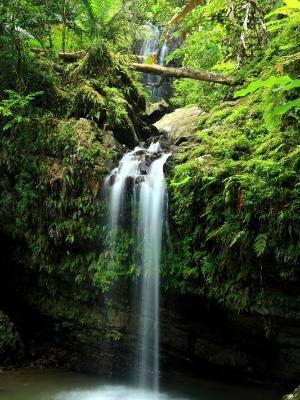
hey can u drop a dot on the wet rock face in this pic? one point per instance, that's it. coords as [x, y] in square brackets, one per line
[211, 338]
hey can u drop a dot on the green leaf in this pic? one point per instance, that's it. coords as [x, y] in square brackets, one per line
[111, 7]
[293, 3]
[148, 60]
[294, 84]
[177, 53]
[284, 108]
[183, 182]
[260, 244]
[237, 237]
[216, 232]
[268, 83]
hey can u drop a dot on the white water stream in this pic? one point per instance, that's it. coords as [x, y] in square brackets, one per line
[143, 170]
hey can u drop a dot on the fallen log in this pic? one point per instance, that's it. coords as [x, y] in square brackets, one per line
[155, 69]
[71, 57]
[182, 73]
[67, 57]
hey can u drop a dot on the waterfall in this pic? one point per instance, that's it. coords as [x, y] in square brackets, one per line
[159, 92]
[140, 176]
[150, 46]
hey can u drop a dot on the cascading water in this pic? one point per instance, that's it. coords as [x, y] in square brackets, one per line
[141, 173]
[151, 215]
[151, 46]
[159, 92]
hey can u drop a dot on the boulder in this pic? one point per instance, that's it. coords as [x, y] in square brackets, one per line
[180, 125]
[157, 110]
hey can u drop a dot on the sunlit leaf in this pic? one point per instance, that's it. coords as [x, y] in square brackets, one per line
[284, 108]
[268, 83]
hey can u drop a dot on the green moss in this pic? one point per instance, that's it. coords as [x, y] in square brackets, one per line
[234, 213]
[237, 115]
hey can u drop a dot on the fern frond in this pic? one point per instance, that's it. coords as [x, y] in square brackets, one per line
[260, 244]
[110, 9]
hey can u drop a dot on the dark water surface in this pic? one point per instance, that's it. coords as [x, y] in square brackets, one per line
[30, 384]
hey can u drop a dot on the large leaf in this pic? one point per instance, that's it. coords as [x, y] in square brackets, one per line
[268, 83]
[293, 3]
[284, 108]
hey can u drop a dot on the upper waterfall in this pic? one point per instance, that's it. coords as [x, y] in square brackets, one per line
[151, 46]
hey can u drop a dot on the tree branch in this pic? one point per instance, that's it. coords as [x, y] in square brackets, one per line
[187, 9]
[182, 73]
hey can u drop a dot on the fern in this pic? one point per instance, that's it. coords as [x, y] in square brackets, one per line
[97, 14]
[237, 238]
[110, 9]
[12, 109]
[260, 244]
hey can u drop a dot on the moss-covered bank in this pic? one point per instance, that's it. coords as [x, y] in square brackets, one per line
[234, 194]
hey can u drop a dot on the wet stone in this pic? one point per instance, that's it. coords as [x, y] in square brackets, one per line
[140, 153]
[148, 159]
[139, 179]
[112, 180]
[129, 181]
[155, 156]
[144, 168]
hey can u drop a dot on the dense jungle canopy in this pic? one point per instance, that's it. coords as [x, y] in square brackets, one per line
[71, 103]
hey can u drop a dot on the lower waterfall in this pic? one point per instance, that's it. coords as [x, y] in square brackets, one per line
[140, 176]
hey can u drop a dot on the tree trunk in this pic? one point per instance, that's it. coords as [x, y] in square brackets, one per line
[64, 23]
[187, 9]
[182, 73]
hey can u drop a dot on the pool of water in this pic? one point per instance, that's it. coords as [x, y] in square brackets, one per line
[29, 384]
